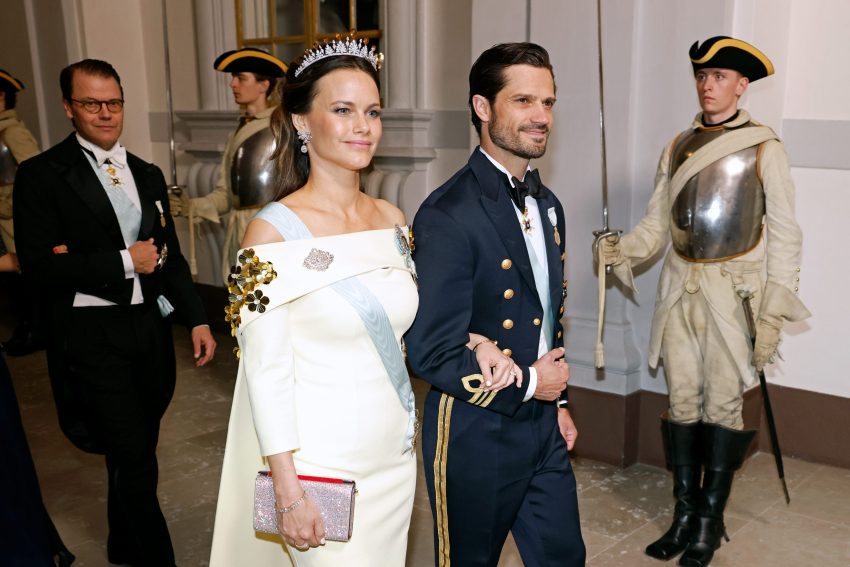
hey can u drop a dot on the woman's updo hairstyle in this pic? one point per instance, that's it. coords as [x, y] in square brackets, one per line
[292, 167]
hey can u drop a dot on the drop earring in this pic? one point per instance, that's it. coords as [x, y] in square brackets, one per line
[306, 138]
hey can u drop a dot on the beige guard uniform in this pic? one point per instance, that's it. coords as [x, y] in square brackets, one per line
[22, 145]
[222, 199]
[698, 327]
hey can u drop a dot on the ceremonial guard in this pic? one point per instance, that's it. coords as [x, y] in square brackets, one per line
[245, 181]
[16, 145]
[725, 198]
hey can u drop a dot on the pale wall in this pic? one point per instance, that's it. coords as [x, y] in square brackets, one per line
[128, 34]
[649, 98]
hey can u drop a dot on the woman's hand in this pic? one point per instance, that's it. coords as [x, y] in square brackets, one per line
[298, 518]
[302, 527]
[498, 369]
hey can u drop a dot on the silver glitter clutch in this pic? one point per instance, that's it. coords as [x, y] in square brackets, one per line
[333, 496]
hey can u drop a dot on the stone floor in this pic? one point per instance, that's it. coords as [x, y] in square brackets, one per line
[621, 510]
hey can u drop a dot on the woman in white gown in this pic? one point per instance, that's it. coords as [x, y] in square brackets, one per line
[322, 388]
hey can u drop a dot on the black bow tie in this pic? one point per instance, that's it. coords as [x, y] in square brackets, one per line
[521, 189]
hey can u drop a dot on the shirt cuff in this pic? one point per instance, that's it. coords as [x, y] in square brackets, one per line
[129, 272]
[532, 383]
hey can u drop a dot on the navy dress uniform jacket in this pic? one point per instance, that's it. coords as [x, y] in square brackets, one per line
[493, 463]
[476, 276]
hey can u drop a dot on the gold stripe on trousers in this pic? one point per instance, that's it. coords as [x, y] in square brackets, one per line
[444, 420]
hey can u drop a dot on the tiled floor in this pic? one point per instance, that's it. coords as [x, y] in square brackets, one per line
[622, 510]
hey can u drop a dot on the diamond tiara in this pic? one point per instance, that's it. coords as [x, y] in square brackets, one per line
[348, 46]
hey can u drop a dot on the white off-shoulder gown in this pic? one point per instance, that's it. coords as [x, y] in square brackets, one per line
[311, 380]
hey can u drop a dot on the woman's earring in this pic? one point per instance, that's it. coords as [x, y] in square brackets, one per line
[306, 138]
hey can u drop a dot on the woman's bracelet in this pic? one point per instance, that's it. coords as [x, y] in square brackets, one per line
[484, 341]
[294, 505]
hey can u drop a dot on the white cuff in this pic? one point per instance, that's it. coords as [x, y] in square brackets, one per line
[532, 383]
[129, 271]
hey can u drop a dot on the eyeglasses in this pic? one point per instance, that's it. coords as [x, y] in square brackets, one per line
[93, 106]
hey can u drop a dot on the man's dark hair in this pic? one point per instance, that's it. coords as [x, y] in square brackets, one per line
[89, 67]
[487, 77]
[11, 96]
[272, 82]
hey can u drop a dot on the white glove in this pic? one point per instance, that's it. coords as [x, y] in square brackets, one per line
[611, 251]
[178, 201]
[767, 340]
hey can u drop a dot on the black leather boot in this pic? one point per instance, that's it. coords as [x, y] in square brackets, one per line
[723, 453]
[682, 447]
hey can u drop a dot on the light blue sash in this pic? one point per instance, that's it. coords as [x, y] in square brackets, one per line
[367, 306]
[129, 215]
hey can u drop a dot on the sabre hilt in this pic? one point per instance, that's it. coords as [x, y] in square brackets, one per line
[746, 294]
[598, 236]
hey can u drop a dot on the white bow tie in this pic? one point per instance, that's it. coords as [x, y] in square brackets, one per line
[117, 155]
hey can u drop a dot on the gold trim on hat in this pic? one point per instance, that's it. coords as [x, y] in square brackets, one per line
[15, 82]
[258, 54]
[736, 43]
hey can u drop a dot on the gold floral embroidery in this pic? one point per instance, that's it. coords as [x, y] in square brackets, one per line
[243, 280]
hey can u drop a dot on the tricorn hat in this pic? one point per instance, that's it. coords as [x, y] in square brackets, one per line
[8, 81]
[724, 52]
[251, 60]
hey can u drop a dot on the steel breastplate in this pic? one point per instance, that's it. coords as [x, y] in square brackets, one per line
[252, 171]
[8, 165]
[718, 213]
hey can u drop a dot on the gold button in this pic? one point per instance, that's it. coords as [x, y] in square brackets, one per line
[798, 269]
[565, 284]
[560, 334]
[796, 289]
[506, 264]
[562, 310]
[536, 322]
[508, 324]
[562, 256]
[507, 351]
[509, 293]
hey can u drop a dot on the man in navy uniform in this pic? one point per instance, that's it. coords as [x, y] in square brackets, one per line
[490, 259]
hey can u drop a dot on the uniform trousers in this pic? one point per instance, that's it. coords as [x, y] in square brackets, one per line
[489, 474]
[702, 378]
[122, 369]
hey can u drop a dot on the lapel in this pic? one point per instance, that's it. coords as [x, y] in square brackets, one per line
[83, 180]
[553, 250]
[498, 206]
[145, 184]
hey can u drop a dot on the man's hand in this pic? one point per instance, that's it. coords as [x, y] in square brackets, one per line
[567, 427]
[552, 375]
[204, 344]
[144, 255]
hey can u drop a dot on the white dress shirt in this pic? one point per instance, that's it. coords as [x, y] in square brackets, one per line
[128, 185]
[539, 245]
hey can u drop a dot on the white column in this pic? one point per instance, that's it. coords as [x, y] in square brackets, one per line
[400, 47]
